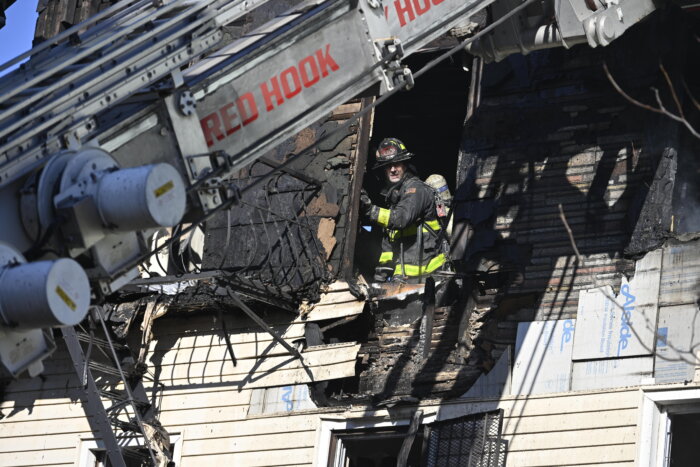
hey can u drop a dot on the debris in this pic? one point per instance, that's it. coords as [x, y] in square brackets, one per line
[655, 219]
[337, 301]
[326, 231]
[337, 162]
[320, 206]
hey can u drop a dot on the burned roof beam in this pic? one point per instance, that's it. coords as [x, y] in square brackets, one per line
[294, 173]
[248, 287]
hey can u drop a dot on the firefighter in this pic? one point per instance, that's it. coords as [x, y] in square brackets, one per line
[410, 249]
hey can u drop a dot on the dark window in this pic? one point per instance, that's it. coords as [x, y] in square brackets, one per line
[376, 447]
[685, 440]
[471, 441]
[133, 457]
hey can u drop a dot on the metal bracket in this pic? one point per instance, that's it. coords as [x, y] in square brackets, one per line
[187, 103]
[607, 24]
[392, 50]
[193, 148]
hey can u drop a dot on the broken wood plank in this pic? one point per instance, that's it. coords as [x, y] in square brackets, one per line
[408, 441]
[322, 362]
[336, 302]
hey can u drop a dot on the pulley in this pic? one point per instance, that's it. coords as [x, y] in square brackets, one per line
[41, 294]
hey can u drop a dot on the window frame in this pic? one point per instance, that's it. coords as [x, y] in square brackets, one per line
[86, 457]
[328, 443]
[654, 426]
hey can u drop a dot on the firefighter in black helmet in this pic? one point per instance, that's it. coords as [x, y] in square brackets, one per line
[411, 229]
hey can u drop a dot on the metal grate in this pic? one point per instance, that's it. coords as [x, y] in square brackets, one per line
[471, 441]
[269, 243]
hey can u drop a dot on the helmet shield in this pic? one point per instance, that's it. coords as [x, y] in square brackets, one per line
[391, 150]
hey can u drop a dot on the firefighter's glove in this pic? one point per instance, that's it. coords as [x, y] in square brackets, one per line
[365, 204]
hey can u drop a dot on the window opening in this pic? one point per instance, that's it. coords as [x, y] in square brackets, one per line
[428, 119]
[669, 428]
[93, 453]
[469, 441]
[377, 447]
[685, 439]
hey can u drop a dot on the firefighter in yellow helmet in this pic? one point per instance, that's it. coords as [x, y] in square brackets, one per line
[410, 246]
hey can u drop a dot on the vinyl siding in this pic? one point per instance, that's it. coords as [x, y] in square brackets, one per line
[44, 423]
[565, 429]
[206, 398]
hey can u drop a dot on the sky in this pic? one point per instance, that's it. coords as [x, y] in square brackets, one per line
[16, 36]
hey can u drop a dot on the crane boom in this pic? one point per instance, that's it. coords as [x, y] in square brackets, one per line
[110, 124]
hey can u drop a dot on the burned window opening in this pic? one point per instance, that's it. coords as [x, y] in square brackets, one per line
[376, 447]
[268, 238]
[471, 441]
[404, 359]
[287, 237]
[428, 119]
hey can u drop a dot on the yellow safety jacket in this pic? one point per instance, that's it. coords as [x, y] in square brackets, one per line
[412, 253]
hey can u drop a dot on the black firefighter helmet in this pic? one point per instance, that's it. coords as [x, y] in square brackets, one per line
[391, 150]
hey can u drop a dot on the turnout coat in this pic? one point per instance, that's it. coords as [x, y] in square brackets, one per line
[410, 243]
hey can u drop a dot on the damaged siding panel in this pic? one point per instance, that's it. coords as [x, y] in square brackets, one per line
[201, 357]
[324, 362]
[295, 231]
[335, 302]
[203, 338]
[680, 276]
[185, 325]
[199, 351]
[214, 418]
[579, 146]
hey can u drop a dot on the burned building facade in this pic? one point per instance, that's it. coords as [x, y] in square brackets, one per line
[565, 334]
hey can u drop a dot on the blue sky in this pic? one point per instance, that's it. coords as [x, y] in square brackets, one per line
[16, 36]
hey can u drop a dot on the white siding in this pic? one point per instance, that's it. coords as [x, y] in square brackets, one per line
[206, 398]
[565, 429]
[42, 426]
